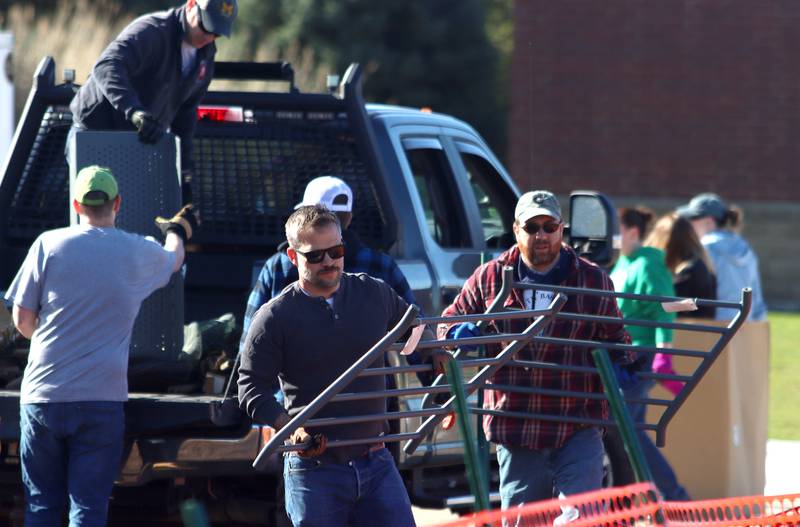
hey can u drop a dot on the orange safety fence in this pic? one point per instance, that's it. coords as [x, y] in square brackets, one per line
[749, 511]
[634, 505]
[639, 505]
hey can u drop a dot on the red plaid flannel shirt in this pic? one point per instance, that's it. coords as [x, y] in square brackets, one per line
[475, 297]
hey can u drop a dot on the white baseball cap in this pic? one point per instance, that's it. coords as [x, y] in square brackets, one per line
[330, 191]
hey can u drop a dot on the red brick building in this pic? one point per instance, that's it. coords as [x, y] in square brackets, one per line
[653, 102]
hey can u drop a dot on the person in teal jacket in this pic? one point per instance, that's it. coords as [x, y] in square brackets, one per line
[643, 270]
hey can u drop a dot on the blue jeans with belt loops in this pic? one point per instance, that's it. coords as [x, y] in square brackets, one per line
[364, 492]
[528, 475]
[70, 450]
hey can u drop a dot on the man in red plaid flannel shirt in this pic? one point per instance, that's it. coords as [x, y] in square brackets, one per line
[540, 458]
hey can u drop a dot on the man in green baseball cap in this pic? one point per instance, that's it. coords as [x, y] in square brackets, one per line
[79, 315]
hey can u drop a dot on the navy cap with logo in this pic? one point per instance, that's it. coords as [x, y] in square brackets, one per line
[217, 16]
[702, 205]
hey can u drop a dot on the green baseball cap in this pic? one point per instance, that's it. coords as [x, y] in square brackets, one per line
[95, 185]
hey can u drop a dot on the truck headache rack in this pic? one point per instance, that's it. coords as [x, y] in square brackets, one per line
[248, 174]
[434, 411]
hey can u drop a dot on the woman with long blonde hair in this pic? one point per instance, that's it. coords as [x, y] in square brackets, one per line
[642, 270]
[687, 260]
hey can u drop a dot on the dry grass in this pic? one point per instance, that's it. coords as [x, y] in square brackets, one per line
[72, 38]
[77, 31]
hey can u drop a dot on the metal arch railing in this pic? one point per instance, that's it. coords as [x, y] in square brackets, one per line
[707, 357]
[671, 406]
[489, 365]
[541, 318]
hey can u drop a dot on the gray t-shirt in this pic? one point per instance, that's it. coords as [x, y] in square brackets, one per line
[87, 285]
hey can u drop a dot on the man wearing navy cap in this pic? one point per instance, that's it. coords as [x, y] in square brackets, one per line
[154, 74]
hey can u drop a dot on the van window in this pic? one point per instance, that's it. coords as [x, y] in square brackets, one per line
[496, 201]
[434, 181]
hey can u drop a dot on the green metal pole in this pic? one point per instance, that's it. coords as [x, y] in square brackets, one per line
[477, 478]
[193, 514]
[480, 437]
[620, 413]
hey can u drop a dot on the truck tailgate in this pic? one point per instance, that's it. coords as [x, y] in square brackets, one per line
[145, 413]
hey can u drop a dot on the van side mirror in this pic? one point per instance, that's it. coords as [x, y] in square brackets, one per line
[593, 226]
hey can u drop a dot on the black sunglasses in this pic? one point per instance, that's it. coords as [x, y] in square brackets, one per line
[335, 252]
[550, 227]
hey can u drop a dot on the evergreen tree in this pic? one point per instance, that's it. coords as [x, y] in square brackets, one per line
[415, 53]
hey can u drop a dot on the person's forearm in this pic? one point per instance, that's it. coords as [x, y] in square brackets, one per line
[257, 400]
[258, 372]
[174, 244]
[25, 320]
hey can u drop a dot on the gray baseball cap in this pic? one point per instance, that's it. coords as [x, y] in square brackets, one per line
[537, 203]
[217, 16]
[706, 204]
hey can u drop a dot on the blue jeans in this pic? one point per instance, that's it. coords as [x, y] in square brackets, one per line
[663, 475]
[528, 475]
[70, 449]
[364, 492]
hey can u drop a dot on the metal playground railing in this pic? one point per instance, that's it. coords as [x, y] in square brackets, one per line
[436, 402]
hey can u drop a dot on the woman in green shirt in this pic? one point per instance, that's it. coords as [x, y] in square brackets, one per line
[642, 270]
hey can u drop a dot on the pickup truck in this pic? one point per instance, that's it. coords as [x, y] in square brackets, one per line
[428, 190]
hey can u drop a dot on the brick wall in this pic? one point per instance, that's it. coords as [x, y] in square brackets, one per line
[653, 101]
[657, 98]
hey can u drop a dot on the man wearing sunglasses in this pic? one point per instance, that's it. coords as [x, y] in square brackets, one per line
[307, 336]
[540, 458]
[279, 271]
[154, 74]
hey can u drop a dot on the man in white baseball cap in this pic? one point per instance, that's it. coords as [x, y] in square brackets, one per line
[330, 191]
[278, 271]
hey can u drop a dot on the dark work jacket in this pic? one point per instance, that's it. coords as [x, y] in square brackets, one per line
[141, 70]
[695, 280]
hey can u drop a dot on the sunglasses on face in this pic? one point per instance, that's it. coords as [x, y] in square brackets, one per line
[532, 227]
[335, 252]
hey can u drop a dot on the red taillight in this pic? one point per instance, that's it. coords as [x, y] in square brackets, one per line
[229, 114]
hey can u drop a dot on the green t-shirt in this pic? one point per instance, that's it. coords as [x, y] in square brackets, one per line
[644, 272]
